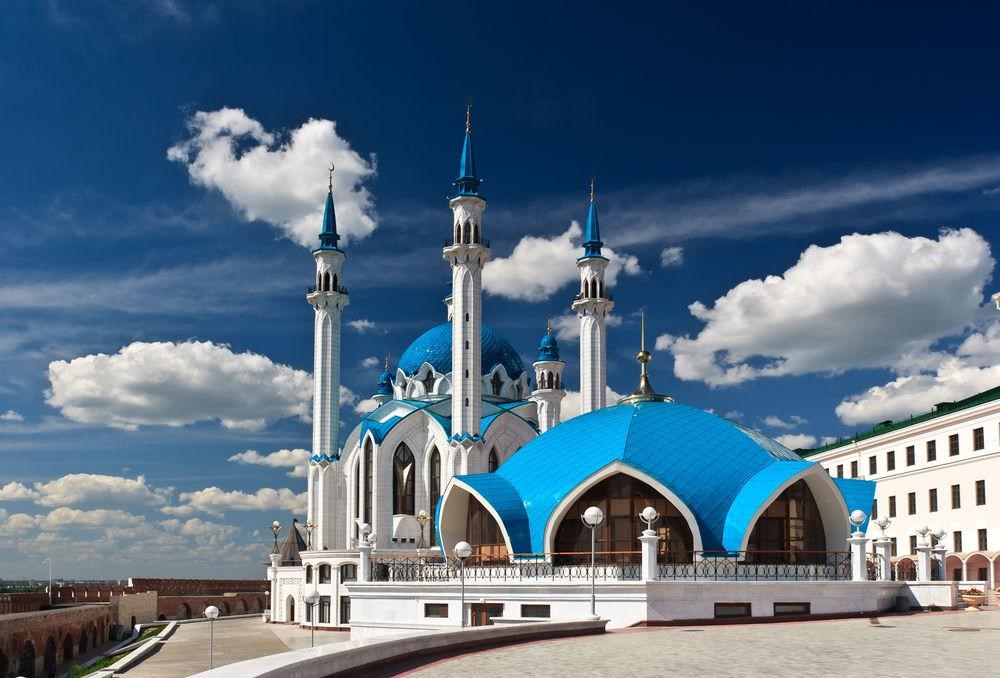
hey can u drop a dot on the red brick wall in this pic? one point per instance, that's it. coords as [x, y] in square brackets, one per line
[22, 602]
[187, 607]
[200, 587]
[64, 627]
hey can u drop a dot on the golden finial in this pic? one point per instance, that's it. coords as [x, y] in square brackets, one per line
[548, 325]
[330, 184]
[643, 356]
[593, 182]
[645, 390]
[386, 361]
[468, 116]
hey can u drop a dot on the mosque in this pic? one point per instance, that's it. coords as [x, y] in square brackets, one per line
[465, 445]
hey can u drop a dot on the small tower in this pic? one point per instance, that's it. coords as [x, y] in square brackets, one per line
[383, 393]
[592, 304]
[549, 390]
[467, 252]
[328, 299]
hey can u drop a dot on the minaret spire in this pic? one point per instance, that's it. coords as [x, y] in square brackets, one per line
[645, 390]
[328, 237]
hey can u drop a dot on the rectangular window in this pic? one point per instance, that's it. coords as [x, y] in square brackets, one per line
[913, 543]
[953, 445]
[324, 609]
[872, 465]
[536, 611]
[892, 507]
[348, 572]
[932, 499]
[956, 497]
[874, 509]
[840, 470]
[982, 539]
[791, 609]
[345, 609]
[892, 546]
[730, 610]
[854, 469]
[978, 439]
[325, 574]
[890, 460]
[980, 493]
[911, 455]
[931, 450]
[437, 610]
[956, 541]
[911, 503]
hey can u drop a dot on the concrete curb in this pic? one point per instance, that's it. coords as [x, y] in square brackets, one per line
[137, 655]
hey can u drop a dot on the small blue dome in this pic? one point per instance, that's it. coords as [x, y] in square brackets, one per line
[434, 347]
[549, 348]
[384, 384]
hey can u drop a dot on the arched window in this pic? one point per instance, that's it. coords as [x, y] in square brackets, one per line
[309, 574]
[348, 572]
[466, 343]
[467, 236]
[357, 496]
[557, 381]
[429, 380]
[466, 402]
[496, 383]
[26, 662]
[790, 530]
[600, 288]
[67, 652]
[494, 461]
[326, 281]
[368, 482]
[466, 317]
[475, 232]
[622, 497]
[483, 532]
[467, 374]
[458, 232]
[324, 574]
[335, 286]
[435, 490]
[402, 481]
[49, 657]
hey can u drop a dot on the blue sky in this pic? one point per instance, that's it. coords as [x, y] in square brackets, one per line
[803, 197]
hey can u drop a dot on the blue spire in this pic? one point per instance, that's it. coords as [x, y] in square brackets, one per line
[592, 243]
[328, 237]
[385, 381]
[467, 181]
[548, 349]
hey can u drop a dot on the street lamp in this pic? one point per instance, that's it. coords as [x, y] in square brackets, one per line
[858, 517]
[212, 612]
[923, 531]
[422, 518]
[463, 550]
[311, 598]
[49, 561]
[275, 528]
[593, 517]
[310, 526]
[883, 524]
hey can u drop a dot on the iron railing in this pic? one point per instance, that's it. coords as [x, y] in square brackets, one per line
[904, 570]
[340, 288]
[482, 241]
[761, 566]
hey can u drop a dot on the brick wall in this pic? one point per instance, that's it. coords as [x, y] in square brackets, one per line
[22, 602]
[199, 587]
[51, 639]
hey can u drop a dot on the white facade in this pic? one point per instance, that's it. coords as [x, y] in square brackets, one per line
[942, 472]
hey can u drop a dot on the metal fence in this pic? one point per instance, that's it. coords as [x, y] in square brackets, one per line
[761, 566]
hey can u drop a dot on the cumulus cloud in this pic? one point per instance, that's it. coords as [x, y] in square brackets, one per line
[347, 397]
[16, 491]
[777, 422]
[63, 519]
[11, 415]
[177, 384]
[860, 303]
[215, 501]
[734, 415]
[89, 489]
[940, 377]
[365, 406]
[362, 325]
[279, 177]
[370, 361]
[196, 527]
[567, 326]
[539, 266]
[671, 256]
[297, 460]
[571, 403]
[797, 441]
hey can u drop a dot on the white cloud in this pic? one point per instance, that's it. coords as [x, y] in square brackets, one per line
[347, 396]
[89, 489]
[860, 303]
[567, 327]
[196, 527]
[734, 415]
[297, 460]
[16, 491]
[11, 415]
[177, 384]
[214, 500]
[777, 422]
[362, 325]
[279, 178]
[797, 441]
[671, 256]
[539, 266]
[365, 406]
[571, 403]
[370, 361]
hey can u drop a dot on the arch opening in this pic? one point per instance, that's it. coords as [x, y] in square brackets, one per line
[403, 481]
[26, 661]
[790, 530]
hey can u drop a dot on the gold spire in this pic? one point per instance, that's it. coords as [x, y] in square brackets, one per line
[386, 361]
[330, 184]
[645, 390]
[593, 182]
[548, 325]
[468, 116]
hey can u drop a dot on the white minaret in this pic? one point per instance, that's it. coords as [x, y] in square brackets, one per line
[467, 253]
[592, 304]
[328, 300]
[549, 391]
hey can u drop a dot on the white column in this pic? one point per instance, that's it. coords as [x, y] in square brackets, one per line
[883, 555]
[364, 566]
[924, 563]
[649, 541]
[593, 308]
[859, 562]
[272, 574]
[940, 561]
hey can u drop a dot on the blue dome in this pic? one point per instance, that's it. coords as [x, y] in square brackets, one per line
[384, 384]
[721, 471]
[548, 349]
[434, 347]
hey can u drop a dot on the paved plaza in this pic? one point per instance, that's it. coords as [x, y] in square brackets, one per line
[186, 651]
[932, 644]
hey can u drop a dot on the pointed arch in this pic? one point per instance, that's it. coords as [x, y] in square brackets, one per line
[493, 462]
[403, 481]
[326, 282]
[467, 235]
[434, 490]
[335, 286]
[475, 232]
[458, 232]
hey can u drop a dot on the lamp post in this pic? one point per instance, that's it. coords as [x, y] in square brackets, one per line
[311, 598]
[422, 518]
[593, 517]
[463, 550]
[310, 526]
[212, 612]
[49, 561]
[275, 528]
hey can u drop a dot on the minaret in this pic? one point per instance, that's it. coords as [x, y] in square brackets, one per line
[592, 304]
[467, 253]
[549, 390]
[383, 393]
[328, 300]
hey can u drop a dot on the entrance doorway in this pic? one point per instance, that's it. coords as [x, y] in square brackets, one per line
[483, 613]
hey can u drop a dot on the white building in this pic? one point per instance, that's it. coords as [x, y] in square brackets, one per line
[941, 470]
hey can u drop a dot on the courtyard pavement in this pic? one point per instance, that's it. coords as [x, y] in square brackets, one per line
[186, 651]
[926, 644]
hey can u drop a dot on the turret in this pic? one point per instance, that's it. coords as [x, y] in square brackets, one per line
[549, 391]
[383, 392]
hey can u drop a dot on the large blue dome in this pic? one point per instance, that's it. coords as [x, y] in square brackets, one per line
[434, 347]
